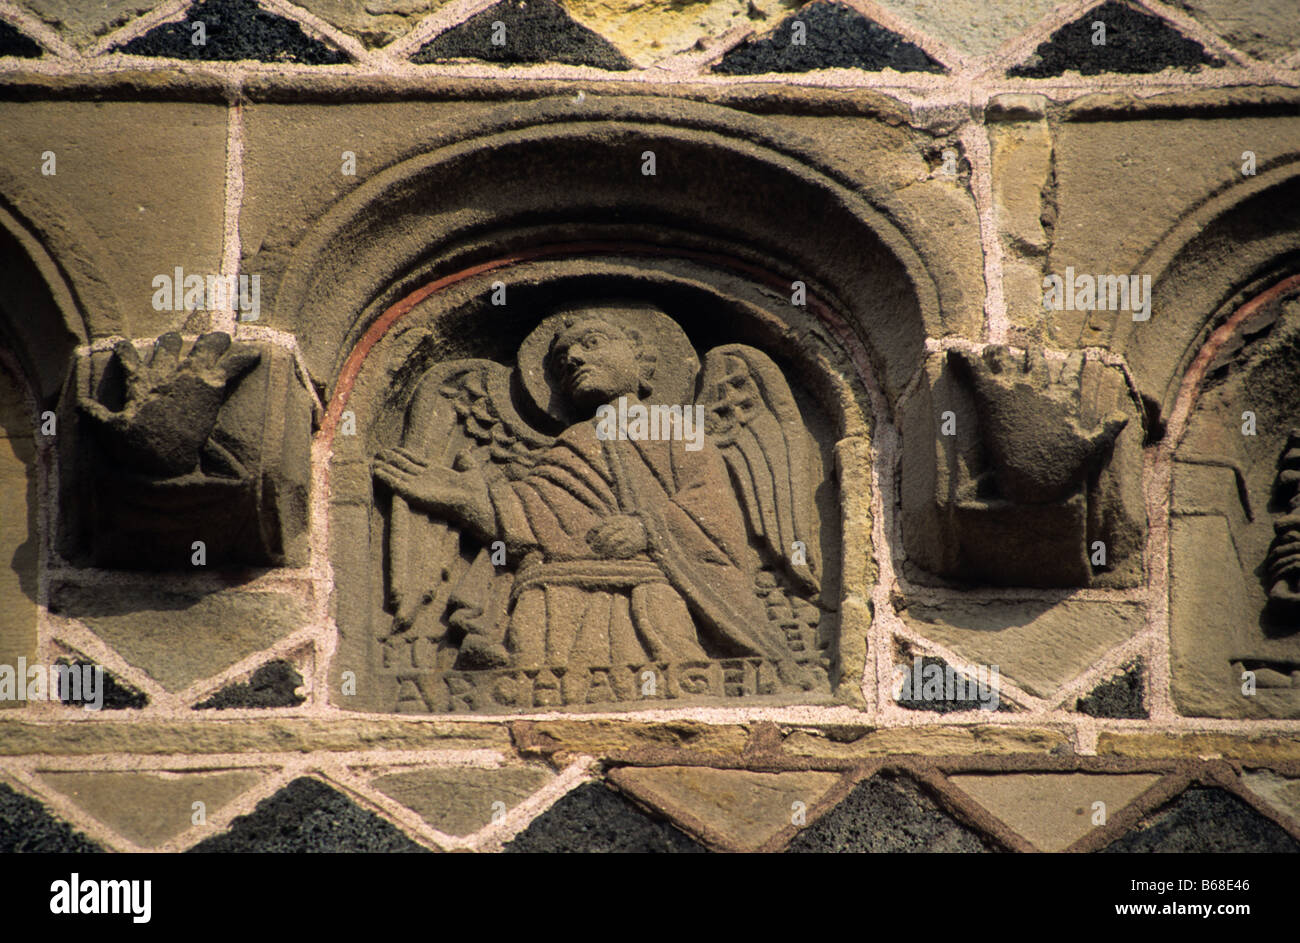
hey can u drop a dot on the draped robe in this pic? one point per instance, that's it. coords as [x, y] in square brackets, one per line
[689, 595]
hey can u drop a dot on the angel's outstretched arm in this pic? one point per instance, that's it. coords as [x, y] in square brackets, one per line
[460, 495]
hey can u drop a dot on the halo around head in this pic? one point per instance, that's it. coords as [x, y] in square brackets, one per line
[676, 366]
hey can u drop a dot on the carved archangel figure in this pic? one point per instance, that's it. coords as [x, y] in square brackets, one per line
[1282, 567]
[602, 546]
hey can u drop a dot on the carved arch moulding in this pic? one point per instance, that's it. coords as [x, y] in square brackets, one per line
[503, 535]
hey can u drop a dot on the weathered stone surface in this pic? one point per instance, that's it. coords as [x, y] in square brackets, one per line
[592, 818]
[461, 800]
[18, 532]
[971, 26]
[1039, 645]
[647, 31]
[1259, 28]
[1016, 466]
[888, 813]
[234, 30]
[741, 809]
[302, 735]
[1255, 748]
[1135, 42]
[1241, 233]
[536, 31]
[1054, 811]
[308, 816]
[176, 637]
[212, 447]
[150, 808]
[1204, 820]
[620, 737]
[829, 36]
[1281, 792]
[81, 22]
[930, 741]
[1022, 169]
[164, 207]
[376, 22]
[26, 826]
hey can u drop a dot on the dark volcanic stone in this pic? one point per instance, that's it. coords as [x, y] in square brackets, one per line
[117, 695]
[14, 43]
[835, 37]
[1136, 42]
[945, 705]
[1205, 819]
[592, 818]
[888, 813]
[1120, 697]
[309, 816]
[235, 29]
[25, 826]
[271, 685]
[535, 31]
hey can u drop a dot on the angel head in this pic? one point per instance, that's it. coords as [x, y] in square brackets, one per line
[595, 360]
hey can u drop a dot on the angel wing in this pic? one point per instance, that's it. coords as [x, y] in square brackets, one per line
[460, 414]
[751, 415]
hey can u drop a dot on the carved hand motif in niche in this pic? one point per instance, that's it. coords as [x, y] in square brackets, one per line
[193, 457]
[1023, 469]
[171, 403]
[671, 522]
[1042, 449]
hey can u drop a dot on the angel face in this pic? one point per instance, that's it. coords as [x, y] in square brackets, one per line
[596, 362]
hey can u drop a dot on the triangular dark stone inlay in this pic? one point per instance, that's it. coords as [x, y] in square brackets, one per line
[888, 813]
[14, 43]
[520, 31]
[592, 818]
[271, 685]
[234, 30]
[25, 826]
[1120, 697]
[834, 36]
[309, 816]
[1135, 42]
[1205, 819]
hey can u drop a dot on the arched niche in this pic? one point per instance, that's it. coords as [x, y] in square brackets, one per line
[53, 296]
[715, 301]
[550, 172]
[1233, 246]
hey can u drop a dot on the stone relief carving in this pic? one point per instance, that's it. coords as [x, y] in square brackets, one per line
[209, 444]
[1282, 566]
[1022, 469]
[664, 544]
[1234, 528]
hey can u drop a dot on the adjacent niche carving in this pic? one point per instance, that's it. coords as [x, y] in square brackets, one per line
[185, 455]
[1022, 469]
[629, 503]
[1234, 533]
[1282, 565]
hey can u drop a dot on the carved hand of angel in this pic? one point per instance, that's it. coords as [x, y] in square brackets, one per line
[460, 494]
[171, 404]
[618, 537]
[1030, 409]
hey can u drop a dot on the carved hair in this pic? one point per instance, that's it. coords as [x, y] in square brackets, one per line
[646, 358]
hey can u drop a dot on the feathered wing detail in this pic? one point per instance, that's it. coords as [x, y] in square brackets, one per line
[460, 415]
[751, 415]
